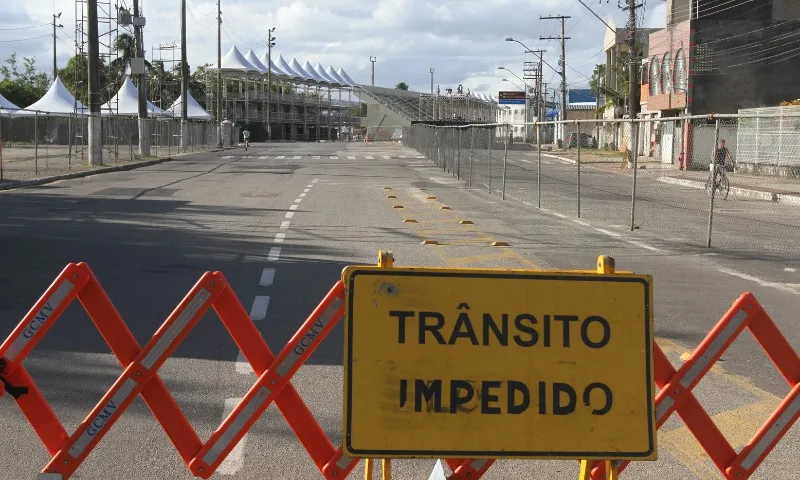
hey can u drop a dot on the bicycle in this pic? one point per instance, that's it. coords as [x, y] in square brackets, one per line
[718, 180]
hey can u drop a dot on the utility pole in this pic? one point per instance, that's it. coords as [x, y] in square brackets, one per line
[144, 134]
[95, 126]
[633, 87]
[373, 60]
[219, 75]
[184, 82]
[270, 44]
[563, 39]
[432, 80]
[55, 65]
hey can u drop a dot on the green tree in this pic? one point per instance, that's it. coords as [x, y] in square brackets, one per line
[401, 86]
[74, 77]
[615, 95]
[22, 87]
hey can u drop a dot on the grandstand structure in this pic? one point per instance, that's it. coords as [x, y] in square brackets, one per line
[312, 102]
[308, 102]
[389, 109]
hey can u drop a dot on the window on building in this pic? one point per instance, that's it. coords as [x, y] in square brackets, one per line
[655, 77]
[666, 73]
[680, 71]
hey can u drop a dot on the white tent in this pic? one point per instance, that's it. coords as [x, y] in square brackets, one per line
[56, 101]
[254, 61]
[283, 65]
[126, 103]
[316, 76]
[234, 61]
[275, 70]
[332, 73]
[6, 107]
[296, 67]
[322, 73]
[193, 109]
[344, 76]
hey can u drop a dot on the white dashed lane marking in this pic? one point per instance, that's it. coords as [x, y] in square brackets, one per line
[267, 276]
[258, 311]
[274, 254]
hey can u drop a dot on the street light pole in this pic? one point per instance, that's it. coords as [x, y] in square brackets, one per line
[431, 80]
[270, 44]
[55, 65]
[373, 60]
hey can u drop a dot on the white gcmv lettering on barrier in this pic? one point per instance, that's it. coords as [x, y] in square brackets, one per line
[490, 363]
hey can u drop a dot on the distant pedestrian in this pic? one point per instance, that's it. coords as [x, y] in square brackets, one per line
[246, 135]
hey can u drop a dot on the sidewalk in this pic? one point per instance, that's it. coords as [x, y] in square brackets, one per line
[767, 188]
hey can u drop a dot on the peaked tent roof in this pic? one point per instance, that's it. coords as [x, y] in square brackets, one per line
[57, 100]
[322, 73]
[288, 69]
[300, 70]
[254, 61]
[316, 76]
[276, 70]
[234, 61]
[126, 103]
[345, 76]
[193, 109]
[332, 73]
[6, 106]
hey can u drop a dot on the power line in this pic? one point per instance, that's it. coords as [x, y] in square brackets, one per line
[200, 12]
[26, 39]
[26, 28]
[191, 14]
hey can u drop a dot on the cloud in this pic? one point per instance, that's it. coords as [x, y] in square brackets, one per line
[463, 40]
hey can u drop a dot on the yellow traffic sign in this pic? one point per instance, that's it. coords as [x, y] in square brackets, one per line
[491, 363]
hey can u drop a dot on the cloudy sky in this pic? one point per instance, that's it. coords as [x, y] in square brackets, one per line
[463, 40]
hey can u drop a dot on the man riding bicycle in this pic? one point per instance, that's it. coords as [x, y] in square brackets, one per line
[722, 155]
[246, 135]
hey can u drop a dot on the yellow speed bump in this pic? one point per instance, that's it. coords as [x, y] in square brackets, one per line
[465, 222]
[430, 197]
[500, 244]
[391, 196]
[410, 220]
[430, 242]
[445, 208]
[397, 206]
[387, 188]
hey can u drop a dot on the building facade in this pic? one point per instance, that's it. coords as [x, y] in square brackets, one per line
[717, 57]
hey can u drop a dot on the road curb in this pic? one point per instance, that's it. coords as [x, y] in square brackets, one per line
[88, 173]
[737, 191]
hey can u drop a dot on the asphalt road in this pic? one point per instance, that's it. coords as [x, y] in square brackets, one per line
[149, 234]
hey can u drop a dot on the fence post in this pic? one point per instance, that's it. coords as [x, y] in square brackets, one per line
[505, 159]
[491, 140]
[539, 166]
[36, 143]
[458, 160]
[713, 172]
[635, 154]
[471, 152]
[578, 142]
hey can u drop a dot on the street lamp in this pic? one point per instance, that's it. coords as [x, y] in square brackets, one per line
[529, 50]
[373, 60]
[55, 67]
[512, 73]
[270, 44]
[527, 105]
[512, 83]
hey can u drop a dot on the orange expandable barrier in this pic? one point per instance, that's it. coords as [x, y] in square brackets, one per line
[273, 385]
[675, 395]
